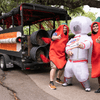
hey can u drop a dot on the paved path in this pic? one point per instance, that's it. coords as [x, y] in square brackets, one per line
[75, 92]
[24, 87]
[33, 85]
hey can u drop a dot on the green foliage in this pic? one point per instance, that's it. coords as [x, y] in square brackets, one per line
[71, 35]
[75, 12]
[91, 15]
[8, 5]
[80, 12]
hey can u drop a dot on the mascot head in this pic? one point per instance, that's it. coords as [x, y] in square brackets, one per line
[80, 25]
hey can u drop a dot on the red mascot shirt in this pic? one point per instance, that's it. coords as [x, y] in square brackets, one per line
[95, 60]
[57, 48]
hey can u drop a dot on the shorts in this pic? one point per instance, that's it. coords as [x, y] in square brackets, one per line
[52, 65]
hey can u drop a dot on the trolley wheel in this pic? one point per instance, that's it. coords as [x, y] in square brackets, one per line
[2, 63]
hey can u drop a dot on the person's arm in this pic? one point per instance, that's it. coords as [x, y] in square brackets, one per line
[86, 44]
[68, 49]
[55, 37]
[98, 40]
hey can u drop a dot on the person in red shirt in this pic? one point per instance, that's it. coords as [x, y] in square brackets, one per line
[57, 54]
[95, 59]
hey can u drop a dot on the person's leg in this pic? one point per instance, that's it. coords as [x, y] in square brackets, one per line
[81, 73]
[86, 85]
[98, 91]
[52, 75]
[67, 82]
[59, 74]
[68, 74]
[99, 81]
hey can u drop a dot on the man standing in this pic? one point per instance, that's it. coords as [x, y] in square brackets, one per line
[57, 54]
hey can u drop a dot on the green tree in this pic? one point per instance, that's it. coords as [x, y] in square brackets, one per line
[8, 5]
[91, 15]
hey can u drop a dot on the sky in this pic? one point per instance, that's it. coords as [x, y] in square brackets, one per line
[92, 9]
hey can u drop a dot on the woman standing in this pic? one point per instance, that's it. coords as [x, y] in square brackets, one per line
[95, 60]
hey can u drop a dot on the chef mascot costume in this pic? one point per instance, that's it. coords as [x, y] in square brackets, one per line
[77, 48]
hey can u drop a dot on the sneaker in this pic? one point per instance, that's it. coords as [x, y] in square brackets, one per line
[97, 91]
[87, 89]
[52, 86]
[66, 84]
[59, 81]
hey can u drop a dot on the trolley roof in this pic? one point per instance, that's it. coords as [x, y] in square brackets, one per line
[32, 14]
